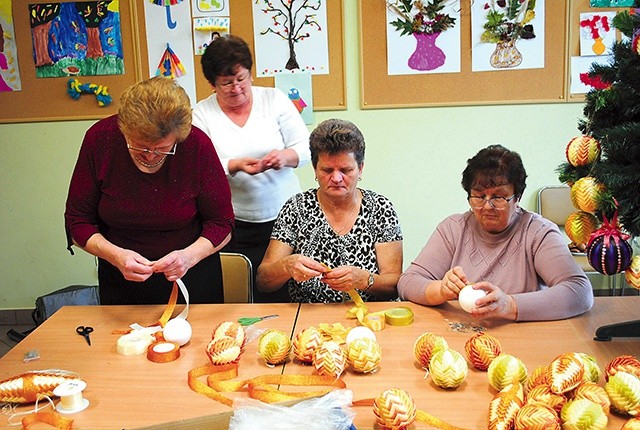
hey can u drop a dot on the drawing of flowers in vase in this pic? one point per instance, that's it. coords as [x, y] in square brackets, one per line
[596, 33]
[507, 22]
[425, 21]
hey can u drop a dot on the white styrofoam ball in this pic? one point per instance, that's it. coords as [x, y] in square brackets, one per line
[358, 332]
[177, 330]
[468, 296]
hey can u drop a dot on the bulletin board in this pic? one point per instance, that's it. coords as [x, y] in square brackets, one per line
[46, 99]
[380, 90]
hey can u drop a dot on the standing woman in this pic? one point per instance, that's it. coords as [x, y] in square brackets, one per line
[149, 198]
[260, 138]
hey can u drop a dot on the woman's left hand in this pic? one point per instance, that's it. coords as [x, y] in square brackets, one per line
[174, 265]
[276, 159]
[496, 304]
[345, 278]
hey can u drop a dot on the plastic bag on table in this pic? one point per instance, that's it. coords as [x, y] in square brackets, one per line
[329, 412]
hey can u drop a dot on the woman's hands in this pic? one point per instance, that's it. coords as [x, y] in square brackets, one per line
[174, 265]
[345, 278]
[496, 304]
[302, 268]
[452, 282]
[276, 159]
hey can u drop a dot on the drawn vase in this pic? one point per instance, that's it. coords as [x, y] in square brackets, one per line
[427, 56]
[505, 55]
[598, 46]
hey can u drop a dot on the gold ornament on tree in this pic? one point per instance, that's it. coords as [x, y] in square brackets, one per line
[579, 226]
[582, 151]
[585, 194]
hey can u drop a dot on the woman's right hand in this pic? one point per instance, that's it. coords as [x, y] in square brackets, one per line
[248, 165]
[133, 266]
[452, 282]
[302, 268]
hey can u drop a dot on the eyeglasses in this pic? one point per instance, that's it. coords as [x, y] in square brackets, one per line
[153, 151]
[499, 203]
[241, 81]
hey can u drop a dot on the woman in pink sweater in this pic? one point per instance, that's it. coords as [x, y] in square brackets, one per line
[517, 257]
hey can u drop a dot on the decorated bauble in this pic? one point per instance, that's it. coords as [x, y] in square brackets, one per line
[622, 363]
[468, 296]
[592, 370]
[537, 377]
[632, 424]
[565, 373]
[579, 226]
[306, 343]
[330, 359]
[481, 349]
[364, 355]
[223, 350]
[504, 407]
[582, 150]
[274, 347]
[623, 390]
[230, 329]
[426, 345]
[358, 332]
[177, 330]
[535, 416]
[635, 41]
[593, 392]
[543, 395]
[585, 194]
[448, 368]
[506, 369]
[608, 250]
[577, 412]
[632, 274]
[394, 409]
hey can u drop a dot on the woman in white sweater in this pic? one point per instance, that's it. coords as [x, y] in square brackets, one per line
[260, 139]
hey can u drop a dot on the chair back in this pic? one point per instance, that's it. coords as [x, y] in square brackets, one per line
[237, 277]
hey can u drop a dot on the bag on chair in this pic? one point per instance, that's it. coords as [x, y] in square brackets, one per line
[74, 295]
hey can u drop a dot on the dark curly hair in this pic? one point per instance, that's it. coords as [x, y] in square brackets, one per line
[493, 166]
[334, 136]
[223, 56]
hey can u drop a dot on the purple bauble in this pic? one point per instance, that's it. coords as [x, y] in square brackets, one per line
[609, 254]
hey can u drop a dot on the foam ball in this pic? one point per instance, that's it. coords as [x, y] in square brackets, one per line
[330, 359]
[177, 330]
[577, 412]
[223, 350]
[579, 226]
[582, 151]
[426, 345]
[232, 329]
[506, 369]
[632, 274]
[448, 368]
[274, 347]
[394, 409]
[481, 349]
[358, 332]
[306, 343]
[364, 355]
[468, 296]
[585, 194]
[565, 373]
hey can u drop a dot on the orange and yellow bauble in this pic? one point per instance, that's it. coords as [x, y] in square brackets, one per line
[579, 226]
[632, 274]
[330, 359]
[585, 194]
[481, 349]
[426, 345]
[274, 347]
[394, 409]
[582, 151]
[306, 343]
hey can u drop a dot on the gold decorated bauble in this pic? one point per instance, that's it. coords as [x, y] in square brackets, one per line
[632, 274]
[506, 369]
[504, 407]
[593, 392]
[632, 424]
[394, 409]
[330, 359]
[579, 226]
[592, 370]
[576, 413]
[623, 390]
[585, 194]
[223, 350]
[364, 355]
[622, 363]
[542, 394]
[565, 372]
[448, 368]
[426, 345]
[537, 377]
[481, 349]
[306, 343]
[230, 329]
[274, 347]
[535, 416]
[582, 151]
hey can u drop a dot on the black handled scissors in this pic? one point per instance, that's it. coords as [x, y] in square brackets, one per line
[85, 331]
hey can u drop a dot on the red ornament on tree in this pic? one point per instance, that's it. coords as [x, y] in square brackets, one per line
[608, 250]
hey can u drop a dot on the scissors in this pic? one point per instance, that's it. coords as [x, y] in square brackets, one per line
[245, 321]
[85, 331]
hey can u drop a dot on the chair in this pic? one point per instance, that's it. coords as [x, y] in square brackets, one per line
[237, 277]
[554, 203]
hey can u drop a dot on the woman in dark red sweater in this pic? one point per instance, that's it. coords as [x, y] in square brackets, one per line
[149, 198]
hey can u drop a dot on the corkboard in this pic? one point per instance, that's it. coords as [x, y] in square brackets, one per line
[380, 90]
[46, 99]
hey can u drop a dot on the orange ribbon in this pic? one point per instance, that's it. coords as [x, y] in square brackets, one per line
[51, 418]
[163, 352]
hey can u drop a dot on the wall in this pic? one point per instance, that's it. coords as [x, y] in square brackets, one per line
[414, 156]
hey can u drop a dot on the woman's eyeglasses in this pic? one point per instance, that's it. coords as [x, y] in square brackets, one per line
[499, 203]
[240, 81]
[153, 151]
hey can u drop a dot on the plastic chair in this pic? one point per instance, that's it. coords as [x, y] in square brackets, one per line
[554, 203]
[237, 277]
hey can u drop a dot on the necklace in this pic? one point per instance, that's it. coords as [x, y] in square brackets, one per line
[350, 221]
[152, 165]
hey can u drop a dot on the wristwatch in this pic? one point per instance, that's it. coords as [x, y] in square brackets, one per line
[369, 282]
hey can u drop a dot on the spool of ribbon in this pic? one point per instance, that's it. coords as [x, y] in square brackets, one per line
[163, 352]
[70, 393]
[375, 321]
[398, 316]
[134, 343]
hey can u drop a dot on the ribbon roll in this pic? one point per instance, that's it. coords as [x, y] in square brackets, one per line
[398, 316]
[163, 352]
[374, 321]
[134, 343]
[71, 400]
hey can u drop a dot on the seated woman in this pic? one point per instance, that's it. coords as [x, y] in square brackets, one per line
[338, 237]
[517, 257]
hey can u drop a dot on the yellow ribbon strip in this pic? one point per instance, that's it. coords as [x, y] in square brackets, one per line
[376, 320]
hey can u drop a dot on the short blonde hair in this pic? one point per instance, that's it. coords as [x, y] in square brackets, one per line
[152, 109]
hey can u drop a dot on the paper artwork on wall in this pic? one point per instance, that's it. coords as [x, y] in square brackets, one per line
[9, 71]
[76, 38]
[297, 86]
[508, 35]
[210, 7]
[580, 65]
[610, 3]
[206, 29]
[597, 34]
[285, 44]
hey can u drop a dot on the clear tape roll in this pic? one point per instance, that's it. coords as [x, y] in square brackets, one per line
[70, 393]
[134, 343]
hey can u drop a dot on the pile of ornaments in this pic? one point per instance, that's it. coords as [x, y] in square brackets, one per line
[607, 248]
[227, 342]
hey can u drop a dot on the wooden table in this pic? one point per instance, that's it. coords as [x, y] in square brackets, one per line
[130, 392]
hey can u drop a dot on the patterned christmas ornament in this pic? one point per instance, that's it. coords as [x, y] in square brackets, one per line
[543, 395]
[623, 390]
[534, 416]
[585, 194]
[537, 377]
[592, 371]
[481, 349]
[593, 392]
[394, 409]
[608, 250]
[230, 329]
[504, 407]
[448, 368]
[306, 343]
[622, 363]
[274, 347]
[632, 274]
[426, 345]
[565, 373]
[632, 424]
[505, 370]
[576, 413]
[364, 355]
[582, 150]
[579, 226]
[223, 350]
[30, 386]
[330, 359]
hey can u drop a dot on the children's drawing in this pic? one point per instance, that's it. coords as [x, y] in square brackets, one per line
[167, 6]
[206, 29]
[210, 7]
[296, 84]
[170, 65]
[596, 33]
[76, 38]
[9, 72]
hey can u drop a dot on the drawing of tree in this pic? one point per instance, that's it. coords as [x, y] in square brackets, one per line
[40, 17]
[92, 13]
[291, 21]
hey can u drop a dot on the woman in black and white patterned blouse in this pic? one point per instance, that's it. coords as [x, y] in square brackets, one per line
[337, 237]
